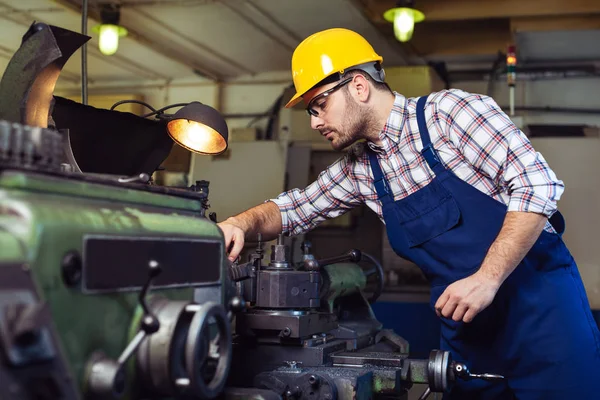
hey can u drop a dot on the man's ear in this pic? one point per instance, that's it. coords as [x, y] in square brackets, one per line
[361, 88]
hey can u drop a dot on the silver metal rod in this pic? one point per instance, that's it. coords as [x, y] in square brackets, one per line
[131, 347]
[512, 101]
[425, 394]
[84, 83]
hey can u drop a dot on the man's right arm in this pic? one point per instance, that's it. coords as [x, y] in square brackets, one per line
[333, 193]
[264, 219]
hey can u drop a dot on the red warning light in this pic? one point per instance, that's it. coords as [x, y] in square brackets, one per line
[511, 62]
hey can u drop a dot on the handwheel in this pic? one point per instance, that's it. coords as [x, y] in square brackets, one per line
[204, 382]
[380, 277]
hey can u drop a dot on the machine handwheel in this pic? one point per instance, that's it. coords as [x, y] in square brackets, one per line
[378, 269]
[208, 351]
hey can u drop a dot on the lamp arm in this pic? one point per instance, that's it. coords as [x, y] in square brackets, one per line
[161, 110]
[118, 103]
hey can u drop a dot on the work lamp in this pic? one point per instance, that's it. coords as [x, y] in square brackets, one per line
[199, 128]
[196, 127]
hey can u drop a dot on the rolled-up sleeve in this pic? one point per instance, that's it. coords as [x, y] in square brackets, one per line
[331, 195]
[496, 147]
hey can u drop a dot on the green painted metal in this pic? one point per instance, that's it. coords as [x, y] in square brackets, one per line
[385, 381]
[12, 248]
[43, 218]
[342, 279]
[48, 184]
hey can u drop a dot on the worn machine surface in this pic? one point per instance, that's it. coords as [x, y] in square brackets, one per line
[91, 266]
[109, 286]
[113, 287]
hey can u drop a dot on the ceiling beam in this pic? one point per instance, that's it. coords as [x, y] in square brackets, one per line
[189, 39]
[25, 19]
[257, 25]
[472, 38]
[401, 50]
[568, 23]
[453, 10]
[147, 41]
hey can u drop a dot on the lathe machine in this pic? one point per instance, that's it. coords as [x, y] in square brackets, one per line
[114, 287]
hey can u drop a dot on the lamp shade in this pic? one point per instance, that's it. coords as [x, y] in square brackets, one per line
[199, 128]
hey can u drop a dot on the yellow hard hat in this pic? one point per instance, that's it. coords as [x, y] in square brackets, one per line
[325, 53]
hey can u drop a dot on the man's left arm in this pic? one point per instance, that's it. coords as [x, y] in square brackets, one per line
[490, 141]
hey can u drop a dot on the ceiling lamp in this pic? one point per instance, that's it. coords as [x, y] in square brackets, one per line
[404, 17]
[109, 30]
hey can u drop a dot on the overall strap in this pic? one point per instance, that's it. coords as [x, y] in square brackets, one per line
[381, 185]
[428, 151]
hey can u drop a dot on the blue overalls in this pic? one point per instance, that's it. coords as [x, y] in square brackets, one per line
[538, 332]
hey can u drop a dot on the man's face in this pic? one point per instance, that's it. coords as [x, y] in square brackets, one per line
[336, 114]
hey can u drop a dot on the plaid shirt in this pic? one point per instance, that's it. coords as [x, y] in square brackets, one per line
[472, 137]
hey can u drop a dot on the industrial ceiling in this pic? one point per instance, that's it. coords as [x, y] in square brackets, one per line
[221, 40]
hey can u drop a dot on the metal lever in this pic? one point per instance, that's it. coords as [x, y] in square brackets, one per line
[462, 371]
[442, 372]
[107, 379]
[314, 265]
[352, 256]
[149, 324]
[140, 178]
[425, 394]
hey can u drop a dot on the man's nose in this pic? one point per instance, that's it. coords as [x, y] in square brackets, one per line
[316, 122]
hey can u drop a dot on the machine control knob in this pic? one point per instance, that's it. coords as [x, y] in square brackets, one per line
[237, 304]
[306, 247]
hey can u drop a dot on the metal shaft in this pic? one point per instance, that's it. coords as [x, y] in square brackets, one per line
[84, 83]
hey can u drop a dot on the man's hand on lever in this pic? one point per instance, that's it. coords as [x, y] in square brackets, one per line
[264, 218]
[234, 238]
[464, 299]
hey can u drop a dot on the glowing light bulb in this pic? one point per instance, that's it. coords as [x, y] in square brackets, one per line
[404, 20]
[196, 137]
[109, 39]
[404, 24]
[109, 34]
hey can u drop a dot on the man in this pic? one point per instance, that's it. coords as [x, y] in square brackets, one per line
[464, 196]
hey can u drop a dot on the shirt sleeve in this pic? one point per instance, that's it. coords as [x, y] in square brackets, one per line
[333, 194]
[488, 139]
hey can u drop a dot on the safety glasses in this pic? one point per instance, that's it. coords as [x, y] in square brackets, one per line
[315, 107]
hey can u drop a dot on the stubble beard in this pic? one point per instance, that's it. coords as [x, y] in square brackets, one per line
[357, 120]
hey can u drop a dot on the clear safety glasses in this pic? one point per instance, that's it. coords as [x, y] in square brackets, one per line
[315, 106]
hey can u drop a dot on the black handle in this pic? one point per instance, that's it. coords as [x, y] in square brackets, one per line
[353, 255]
[149, 323]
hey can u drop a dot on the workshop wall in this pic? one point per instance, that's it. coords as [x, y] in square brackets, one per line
[571, 93]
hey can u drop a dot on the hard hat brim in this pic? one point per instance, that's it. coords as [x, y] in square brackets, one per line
[294, 100]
